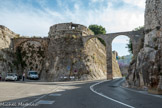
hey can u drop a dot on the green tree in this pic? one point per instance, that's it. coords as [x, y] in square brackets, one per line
[122, 57]
[138, 28]
[129, 45]
[98, 30]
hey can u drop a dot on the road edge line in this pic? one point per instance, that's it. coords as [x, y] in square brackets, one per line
[91, 88]
[157, 96]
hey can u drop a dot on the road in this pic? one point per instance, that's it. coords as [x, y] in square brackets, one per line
[83, 94]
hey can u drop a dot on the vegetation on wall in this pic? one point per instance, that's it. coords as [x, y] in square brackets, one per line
[98, 30]
[28, 56]
[19, 60]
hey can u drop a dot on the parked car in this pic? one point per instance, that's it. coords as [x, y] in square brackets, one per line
[32, 75]
[11, 77]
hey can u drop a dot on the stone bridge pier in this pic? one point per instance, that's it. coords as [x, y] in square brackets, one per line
[134, 36]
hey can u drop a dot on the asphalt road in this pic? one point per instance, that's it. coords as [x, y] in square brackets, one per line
[106, 94]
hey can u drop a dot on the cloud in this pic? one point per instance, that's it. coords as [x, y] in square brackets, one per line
[27, 19]
[138, 3]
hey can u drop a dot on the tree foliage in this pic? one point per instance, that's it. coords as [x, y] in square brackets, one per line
[19, 59]
[129, 45]
[138, 28]
[98, 29]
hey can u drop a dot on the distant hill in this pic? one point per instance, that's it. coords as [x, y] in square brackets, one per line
[125, 60]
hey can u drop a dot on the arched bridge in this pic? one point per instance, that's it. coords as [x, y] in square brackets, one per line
[18, 41]
[134, 36]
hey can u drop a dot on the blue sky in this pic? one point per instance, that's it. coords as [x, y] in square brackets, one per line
[34, 17]
[119, 44]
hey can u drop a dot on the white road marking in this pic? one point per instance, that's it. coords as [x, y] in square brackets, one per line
[55, 94]
[39, 98]
[60, 90]
[91, 88]
[35, 100]
[45, 102]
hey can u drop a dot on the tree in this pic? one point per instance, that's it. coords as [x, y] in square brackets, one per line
[129, 45]
[122, 57]
[139, 28]
[98, 30]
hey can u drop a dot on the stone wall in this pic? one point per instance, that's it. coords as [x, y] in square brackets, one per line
[58, 30]
[115, 66]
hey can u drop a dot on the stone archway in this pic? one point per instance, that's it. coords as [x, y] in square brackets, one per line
[108, 38]
[18, 41]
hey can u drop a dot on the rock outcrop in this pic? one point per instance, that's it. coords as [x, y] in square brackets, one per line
[147, 67]
[31, 56]
[6, 55]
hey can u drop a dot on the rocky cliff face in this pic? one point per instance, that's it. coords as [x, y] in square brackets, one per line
[5, 37]
[31, 56]
[6, 55]
[146, 69]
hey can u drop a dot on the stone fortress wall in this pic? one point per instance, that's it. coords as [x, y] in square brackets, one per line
[68, 28]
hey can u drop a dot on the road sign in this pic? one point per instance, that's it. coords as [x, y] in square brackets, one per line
[68, 68]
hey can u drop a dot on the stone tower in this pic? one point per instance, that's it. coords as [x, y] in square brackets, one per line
[67, 56]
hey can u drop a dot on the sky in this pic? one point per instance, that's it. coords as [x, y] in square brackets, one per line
[34, 17]
[119, 44]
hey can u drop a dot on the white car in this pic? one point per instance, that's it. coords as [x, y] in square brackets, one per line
[32, 75]
[11, 76]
